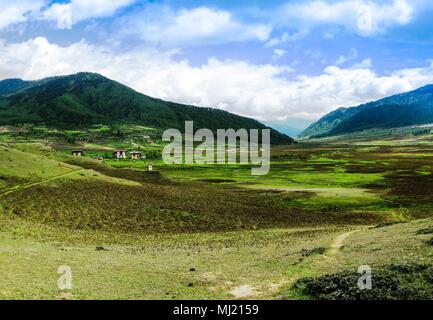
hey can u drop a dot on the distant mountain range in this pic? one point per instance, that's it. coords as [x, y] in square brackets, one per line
[406, 109]
[88, 98]
[291, 126]
[290, 131]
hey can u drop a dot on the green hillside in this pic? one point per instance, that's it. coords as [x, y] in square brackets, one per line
[328, 122]
[12, 85]
[85, 98]
[411, 108]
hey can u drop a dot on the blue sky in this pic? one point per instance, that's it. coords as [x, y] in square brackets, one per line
[284, 62]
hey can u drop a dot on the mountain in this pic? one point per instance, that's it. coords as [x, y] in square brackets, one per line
[290, 131]
[292, 126]
[328, 122]
[11, 85]
[87, 98]
[406, 109]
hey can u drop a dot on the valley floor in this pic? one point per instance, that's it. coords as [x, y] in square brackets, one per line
[216, 232]
[234, 265]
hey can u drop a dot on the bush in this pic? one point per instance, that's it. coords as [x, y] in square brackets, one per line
[394, 282]
[389, 223]
[427, 230]
[314, 251]
[429, 275]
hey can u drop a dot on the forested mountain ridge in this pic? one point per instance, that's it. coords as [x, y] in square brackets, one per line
[88, 98]
[405, 109]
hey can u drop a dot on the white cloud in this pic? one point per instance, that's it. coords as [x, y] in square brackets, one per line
[314, 54]
[85, 9]
[328, 35]
[17, 11]
[363, 16]
[364, 64]
[353, 54]
[260, 91]
[286, 37]
[161, 25]
[278, 53]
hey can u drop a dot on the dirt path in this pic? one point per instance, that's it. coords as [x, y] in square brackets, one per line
[30, 185]
[248, 291]
[338, 242]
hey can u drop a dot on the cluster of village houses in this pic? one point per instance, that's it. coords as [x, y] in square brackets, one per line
[118, 154]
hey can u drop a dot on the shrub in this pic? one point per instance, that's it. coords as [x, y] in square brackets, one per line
[427, 230]
[314, 251]
[401, 282]
[429, 275]
[389, 223]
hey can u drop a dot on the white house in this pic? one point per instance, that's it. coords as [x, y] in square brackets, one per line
[119, 154]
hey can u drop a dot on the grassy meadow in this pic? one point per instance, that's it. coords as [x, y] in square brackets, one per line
[214, 231]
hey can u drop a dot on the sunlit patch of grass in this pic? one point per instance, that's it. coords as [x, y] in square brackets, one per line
[20, 165]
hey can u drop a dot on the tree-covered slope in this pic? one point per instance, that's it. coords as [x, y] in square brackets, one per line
[86, 98]
[411, 108]
[12, 85]
[328, 122]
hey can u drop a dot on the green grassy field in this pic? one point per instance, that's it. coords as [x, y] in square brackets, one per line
[196, 232]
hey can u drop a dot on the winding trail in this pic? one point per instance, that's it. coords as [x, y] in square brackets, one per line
[248, 291]
[338, 242]
[30, 185]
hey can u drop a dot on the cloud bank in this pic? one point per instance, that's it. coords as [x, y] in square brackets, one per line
[163, 26]
[19, 11]
[265, 92]
[361, 16]
[85, 9]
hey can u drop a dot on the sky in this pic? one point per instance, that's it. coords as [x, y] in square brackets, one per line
[281, 62]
